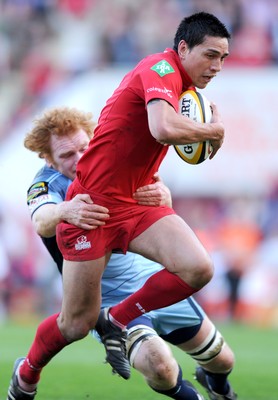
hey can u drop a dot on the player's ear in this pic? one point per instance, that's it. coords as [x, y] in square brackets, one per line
[182, 49]
[47, 159]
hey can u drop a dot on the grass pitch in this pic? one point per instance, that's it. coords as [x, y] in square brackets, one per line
[78, 371]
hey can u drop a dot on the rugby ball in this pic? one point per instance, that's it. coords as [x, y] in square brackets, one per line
[196, 106]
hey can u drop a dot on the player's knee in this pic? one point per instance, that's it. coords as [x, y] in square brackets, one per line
[164, 373]
[163, 370]
[150, 355]
[203, 272]
[226, 359]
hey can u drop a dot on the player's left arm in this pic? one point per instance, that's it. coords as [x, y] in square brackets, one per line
[155, 194]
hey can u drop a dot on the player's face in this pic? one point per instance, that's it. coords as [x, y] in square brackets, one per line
[67, 150]
[204, 61]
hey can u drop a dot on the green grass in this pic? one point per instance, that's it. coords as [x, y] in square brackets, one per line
[78, 371]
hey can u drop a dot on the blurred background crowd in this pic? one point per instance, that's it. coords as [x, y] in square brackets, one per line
[47, 44]
[44, 43]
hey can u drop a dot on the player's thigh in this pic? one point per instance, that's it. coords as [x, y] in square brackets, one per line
[172, 243]
[82, 288]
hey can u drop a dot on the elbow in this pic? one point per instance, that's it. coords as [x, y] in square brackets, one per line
[162, 134]
[37, 226]
[42, 230]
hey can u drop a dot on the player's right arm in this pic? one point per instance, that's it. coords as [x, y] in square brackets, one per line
[79, 211]
[169, 127]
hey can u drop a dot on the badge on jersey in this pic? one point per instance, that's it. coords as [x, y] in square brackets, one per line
[37, 190]
[163, 68]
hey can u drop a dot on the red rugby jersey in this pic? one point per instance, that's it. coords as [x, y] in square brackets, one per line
[123, 155]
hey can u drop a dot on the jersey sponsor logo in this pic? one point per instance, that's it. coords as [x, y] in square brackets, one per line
[82, 243]
[160, 90]
[163, 68]
[36, 190]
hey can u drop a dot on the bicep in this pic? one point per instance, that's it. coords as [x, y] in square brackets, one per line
[160, 118]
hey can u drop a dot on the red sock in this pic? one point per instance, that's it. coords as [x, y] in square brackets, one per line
[161, 290]
[48, 342]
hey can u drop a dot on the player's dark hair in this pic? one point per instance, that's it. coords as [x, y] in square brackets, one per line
[194, 29]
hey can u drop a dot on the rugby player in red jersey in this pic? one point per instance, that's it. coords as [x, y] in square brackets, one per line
[136, 127]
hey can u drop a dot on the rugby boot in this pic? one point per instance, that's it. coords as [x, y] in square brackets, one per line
[15, 392]
[114, 340]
